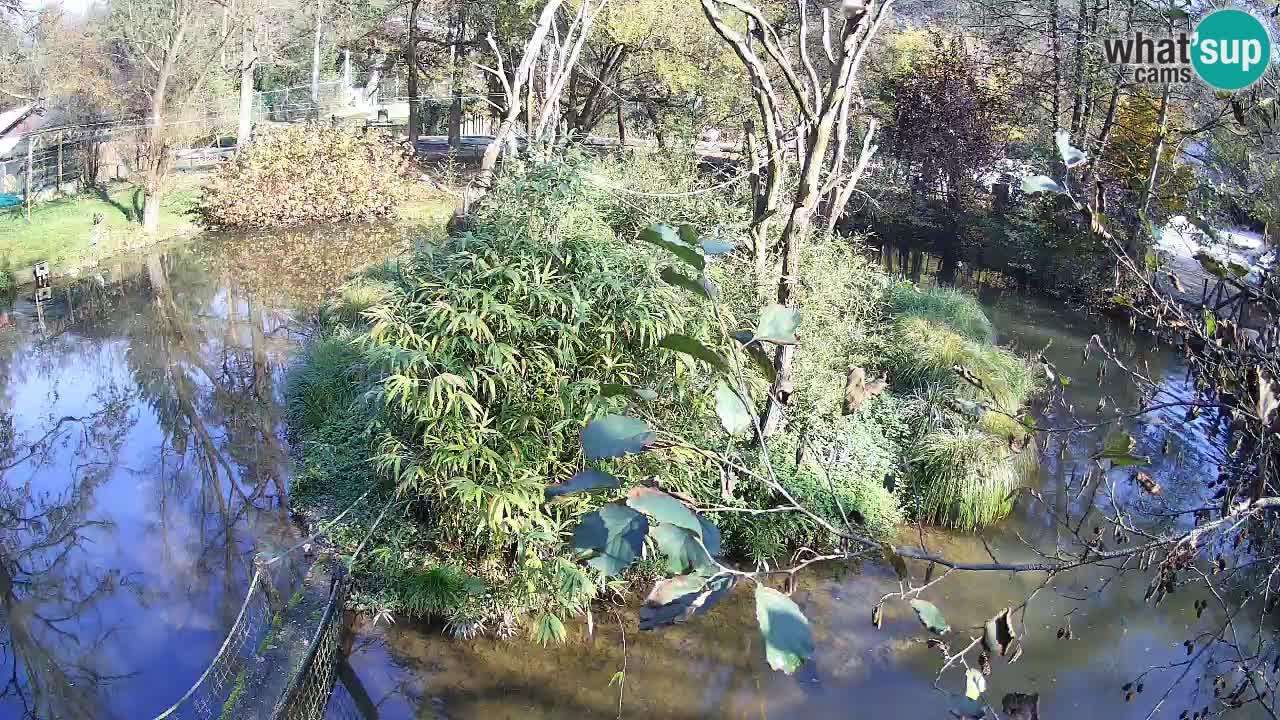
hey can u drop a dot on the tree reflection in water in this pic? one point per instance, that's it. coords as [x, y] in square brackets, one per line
[49, 641]
[141, 464]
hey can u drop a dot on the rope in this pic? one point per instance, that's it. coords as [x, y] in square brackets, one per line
[322, 528]
[244, 607]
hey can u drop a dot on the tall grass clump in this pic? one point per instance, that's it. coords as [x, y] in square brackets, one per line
[323, 383]
[957, 310]
[963, 468]
[923, 351]
[964, 478]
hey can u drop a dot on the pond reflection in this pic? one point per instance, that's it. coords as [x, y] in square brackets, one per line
[142, 464]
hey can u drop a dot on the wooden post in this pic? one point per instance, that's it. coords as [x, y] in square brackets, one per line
[26, 191]
[59, 180]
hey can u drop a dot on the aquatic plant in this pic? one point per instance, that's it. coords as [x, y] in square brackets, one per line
[964, 478]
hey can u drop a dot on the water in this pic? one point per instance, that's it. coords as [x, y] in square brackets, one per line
[128, 534]
[141, 442]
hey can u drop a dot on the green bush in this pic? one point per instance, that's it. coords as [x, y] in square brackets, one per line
[485, 357]
[304, 174]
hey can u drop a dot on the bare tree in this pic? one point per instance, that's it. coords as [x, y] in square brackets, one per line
[822, 104]
[169, 48]
[563, 55]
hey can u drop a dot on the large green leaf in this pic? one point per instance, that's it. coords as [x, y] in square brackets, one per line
[614, 533]
[614, 436]
[681, 549]
[966, 708]
[671, 276]
[666, 237]
[677, 599]
[663, 508]
[1040, 183]
[1071, 156]
[778, 324]
[710, 536]
[758, 356]
[583, 480]
[1118, 448]
[788, 640]
[733, 413]
[930, 617]
[716, 246]
[691, 347]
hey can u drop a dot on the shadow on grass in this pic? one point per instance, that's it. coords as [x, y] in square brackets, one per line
[125, 210]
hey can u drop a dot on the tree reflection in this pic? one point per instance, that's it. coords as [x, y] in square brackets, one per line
[50, 632]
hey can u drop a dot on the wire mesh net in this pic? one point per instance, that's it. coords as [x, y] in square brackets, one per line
[307, 696]
[208, 697]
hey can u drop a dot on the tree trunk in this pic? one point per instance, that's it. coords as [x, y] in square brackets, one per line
[248, 59]
[411, 53]
[1077, 90]
[315, 58]
[455, 86]
[515, 89]
[1056, 48]
[1137, 245]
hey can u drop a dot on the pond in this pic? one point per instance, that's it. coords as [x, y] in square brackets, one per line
[141, 445]
[144, 464]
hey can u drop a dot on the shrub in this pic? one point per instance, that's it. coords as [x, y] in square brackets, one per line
[306, 173]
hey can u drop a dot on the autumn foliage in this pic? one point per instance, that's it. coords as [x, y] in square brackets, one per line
[304, 174]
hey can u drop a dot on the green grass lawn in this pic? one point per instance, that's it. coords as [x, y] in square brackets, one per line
[59, 231]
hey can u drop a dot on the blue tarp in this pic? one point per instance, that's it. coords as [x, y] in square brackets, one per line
[9, 200]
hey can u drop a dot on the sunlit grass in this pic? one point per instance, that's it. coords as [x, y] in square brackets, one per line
[60, 231]
[957, 310]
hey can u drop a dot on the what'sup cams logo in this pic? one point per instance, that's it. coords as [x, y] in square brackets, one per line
[1228, 49]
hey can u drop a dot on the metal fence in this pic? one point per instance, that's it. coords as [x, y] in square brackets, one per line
[307, 695]
[208, 696]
